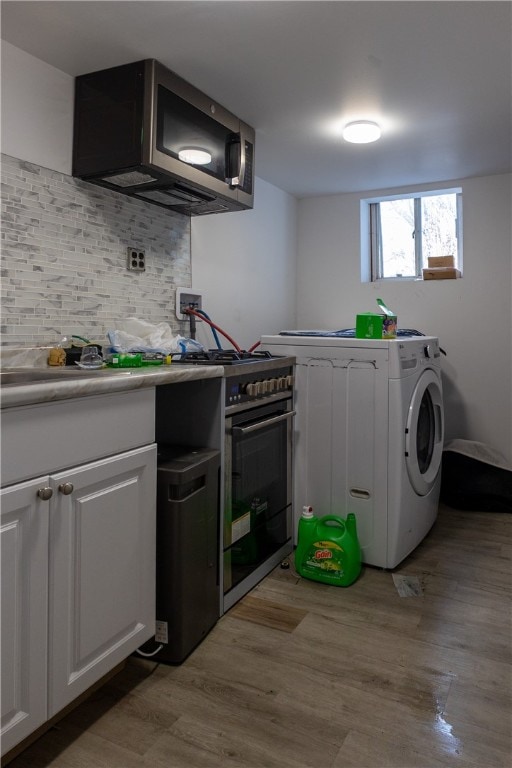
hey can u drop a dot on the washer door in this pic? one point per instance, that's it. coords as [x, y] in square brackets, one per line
[424, 433]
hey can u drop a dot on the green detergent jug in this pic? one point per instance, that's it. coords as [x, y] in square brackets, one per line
[328, 549]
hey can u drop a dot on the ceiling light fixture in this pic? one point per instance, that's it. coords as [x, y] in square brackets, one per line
[194, 156]
[361, 132]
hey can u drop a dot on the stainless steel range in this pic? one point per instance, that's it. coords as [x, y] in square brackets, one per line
[258, 521]
[257, 532]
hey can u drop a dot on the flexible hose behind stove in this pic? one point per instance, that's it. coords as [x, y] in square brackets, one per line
[214, 332]
[195, 312]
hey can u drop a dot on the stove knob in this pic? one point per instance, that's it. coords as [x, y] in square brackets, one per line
[289, 382]
[250, 389]
[281, 382]
[272, 385]
[263, 387]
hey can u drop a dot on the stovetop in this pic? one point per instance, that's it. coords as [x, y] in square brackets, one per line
[222, 357]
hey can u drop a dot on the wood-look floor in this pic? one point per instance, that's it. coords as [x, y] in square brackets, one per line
[302, 674]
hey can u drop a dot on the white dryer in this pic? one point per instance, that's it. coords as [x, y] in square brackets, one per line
[368, 435]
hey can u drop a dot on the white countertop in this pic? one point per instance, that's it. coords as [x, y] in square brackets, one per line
[103, 381]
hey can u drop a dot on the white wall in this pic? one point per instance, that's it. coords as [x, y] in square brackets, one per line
[472, 316]
[246, 265]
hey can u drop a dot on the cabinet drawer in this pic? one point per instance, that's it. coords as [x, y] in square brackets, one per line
[45, 438]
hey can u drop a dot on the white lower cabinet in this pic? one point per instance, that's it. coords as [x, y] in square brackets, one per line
[24, 595]
[102, 570]
[78, 582]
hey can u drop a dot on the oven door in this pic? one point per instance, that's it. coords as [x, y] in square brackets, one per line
[258, 490]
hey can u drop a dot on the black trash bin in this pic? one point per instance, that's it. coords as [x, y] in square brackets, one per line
[187, 555]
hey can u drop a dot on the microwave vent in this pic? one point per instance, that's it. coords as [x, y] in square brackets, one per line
[162, 197]
[215, 207]
[130, 179]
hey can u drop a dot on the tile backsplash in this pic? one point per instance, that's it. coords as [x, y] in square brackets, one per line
[64, 257]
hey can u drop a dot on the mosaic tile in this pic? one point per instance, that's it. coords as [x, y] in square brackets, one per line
[64, 252]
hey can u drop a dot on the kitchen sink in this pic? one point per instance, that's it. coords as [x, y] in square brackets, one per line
[11, 376]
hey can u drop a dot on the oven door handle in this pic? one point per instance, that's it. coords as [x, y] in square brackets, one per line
[262, 424]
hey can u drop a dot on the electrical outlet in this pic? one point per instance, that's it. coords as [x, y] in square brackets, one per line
[161, 632]
[187, 297]
[136, 259]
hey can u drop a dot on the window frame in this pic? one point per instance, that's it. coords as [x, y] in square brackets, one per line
[371, 248]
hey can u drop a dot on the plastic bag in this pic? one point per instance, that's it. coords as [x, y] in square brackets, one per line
[134, 335]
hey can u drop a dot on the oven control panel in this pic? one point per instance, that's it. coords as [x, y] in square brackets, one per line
[246, 388]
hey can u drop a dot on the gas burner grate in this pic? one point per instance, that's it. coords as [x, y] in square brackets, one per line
[222, 357]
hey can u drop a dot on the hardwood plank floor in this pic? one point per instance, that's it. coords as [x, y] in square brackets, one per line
[302, 674]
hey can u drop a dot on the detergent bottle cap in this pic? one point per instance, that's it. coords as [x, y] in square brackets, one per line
[307, 512]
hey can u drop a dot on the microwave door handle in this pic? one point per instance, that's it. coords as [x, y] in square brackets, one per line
[241, 175]
[238, 181]
[262, 424]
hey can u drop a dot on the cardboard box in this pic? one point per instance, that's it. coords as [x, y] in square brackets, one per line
[441, 273]
[389, 323]
[441, 261]
[369, 326]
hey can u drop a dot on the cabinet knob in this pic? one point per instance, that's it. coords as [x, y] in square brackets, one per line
[45, 493]
[66, 488]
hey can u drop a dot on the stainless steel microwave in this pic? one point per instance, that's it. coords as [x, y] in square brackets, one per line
[142, 130]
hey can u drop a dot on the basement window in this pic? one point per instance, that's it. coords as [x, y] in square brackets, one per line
[399, 234]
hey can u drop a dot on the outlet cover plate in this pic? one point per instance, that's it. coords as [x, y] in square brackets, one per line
[136, 259]
[188, 296]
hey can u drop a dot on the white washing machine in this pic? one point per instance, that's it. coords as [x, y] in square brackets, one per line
[368, 435]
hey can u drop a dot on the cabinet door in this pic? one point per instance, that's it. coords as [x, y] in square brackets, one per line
[341, 444]
[24, 557]
[102, 569]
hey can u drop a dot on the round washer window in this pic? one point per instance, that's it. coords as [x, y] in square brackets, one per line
[424, 433]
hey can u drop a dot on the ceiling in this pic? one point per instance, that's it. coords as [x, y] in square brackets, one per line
[435, 75]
